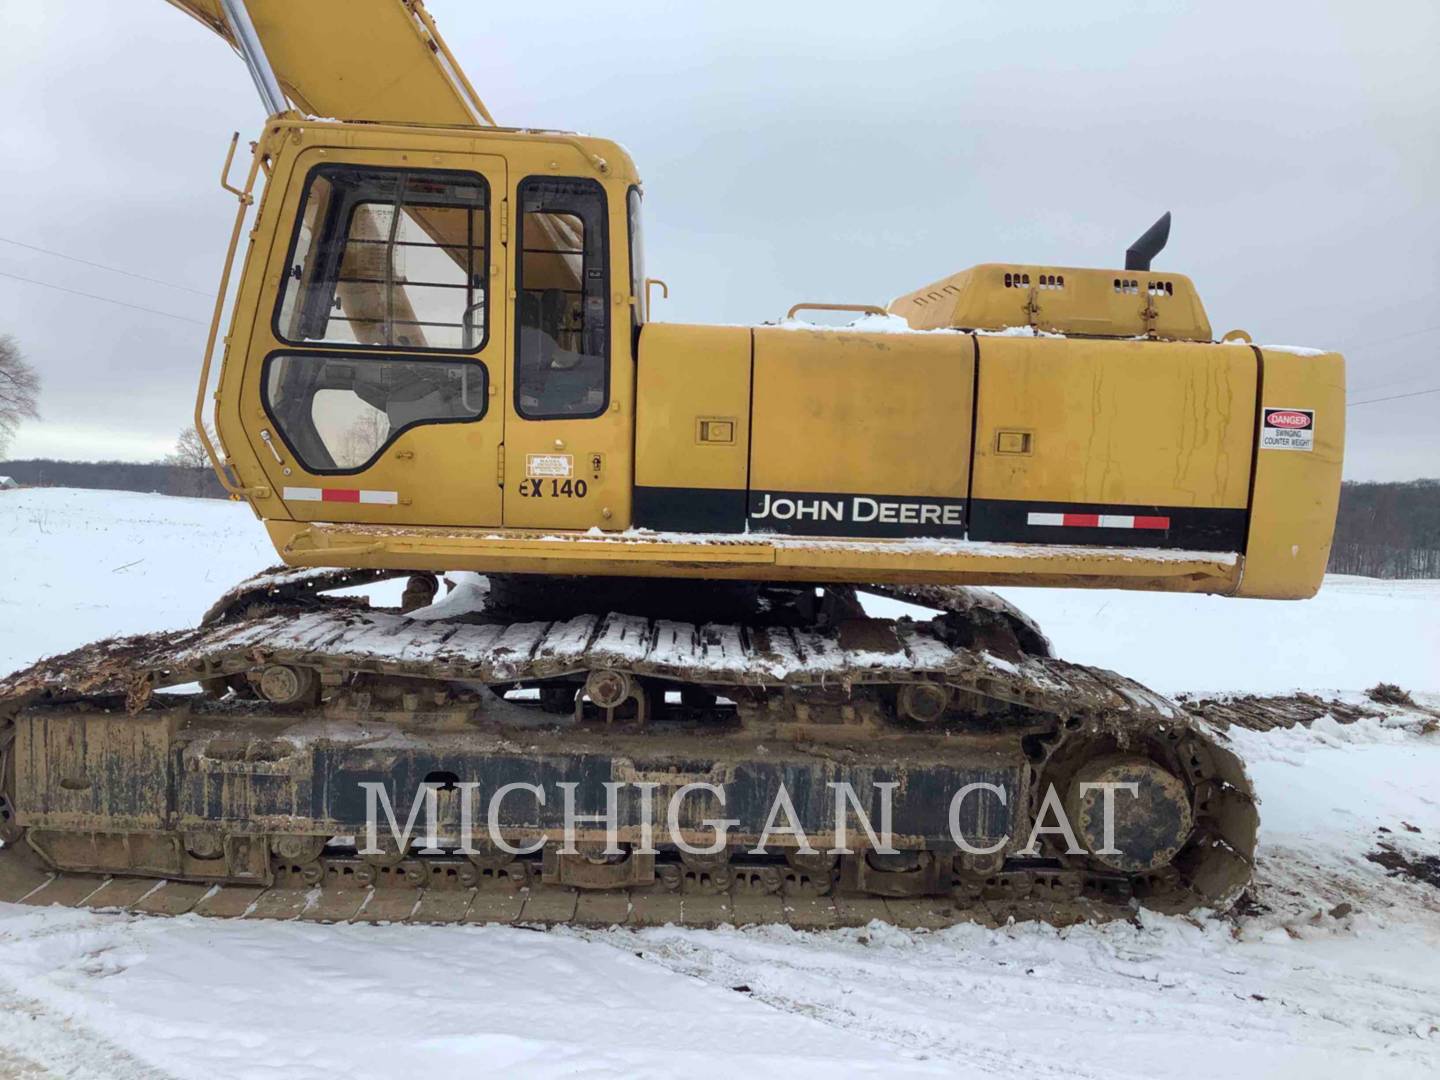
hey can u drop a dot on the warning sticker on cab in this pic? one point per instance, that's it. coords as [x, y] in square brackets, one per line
[1287, 429]
[549, 465]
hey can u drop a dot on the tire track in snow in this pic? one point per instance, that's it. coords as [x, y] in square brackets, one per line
[857, 994]
[1047, 1005]
[36, 1041]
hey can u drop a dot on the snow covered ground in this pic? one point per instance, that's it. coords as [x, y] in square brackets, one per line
[1333, 970]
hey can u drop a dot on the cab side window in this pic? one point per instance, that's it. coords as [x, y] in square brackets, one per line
[562, 353]
[338, 411]
[388, 258]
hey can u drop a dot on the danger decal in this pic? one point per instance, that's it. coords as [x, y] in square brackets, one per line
[1287, 429]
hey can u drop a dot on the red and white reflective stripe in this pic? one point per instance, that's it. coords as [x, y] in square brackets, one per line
[1099, 521]
[341, 495]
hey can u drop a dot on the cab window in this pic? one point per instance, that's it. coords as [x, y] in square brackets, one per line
[386, 258]
[337, 412]
[562, 350]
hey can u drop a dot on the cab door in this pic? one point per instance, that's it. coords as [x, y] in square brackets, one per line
[569, 424]
[381, 371]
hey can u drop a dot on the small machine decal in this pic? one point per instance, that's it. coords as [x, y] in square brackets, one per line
[341, 495]
[1099, 521]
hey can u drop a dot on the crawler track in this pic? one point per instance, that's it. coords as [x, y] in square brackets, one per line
[117, 794]
[527, 901]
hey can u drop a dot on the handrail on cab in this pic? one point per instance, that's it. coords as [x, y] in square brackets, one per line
[245, 199]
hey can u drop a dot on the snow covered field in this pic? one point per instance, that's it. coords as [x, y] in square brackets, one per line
[1333, 971]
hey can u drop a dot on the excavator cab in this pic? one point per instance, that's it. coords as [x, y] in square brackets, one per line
[425, 313]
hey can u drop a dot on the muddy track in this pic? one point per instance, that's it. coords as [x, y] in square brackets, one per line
[972, 696]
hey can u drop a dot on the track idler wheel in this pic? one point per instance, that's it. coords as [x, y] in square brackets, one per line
[922, 702]
[299, 854]
[282, 684]
[592, 868]
[298, 849]
[809, 875]
[708, 873]
[608, 690]
[387, 852]
[816, 864]
[1152, 820]
[900, 862]
[898, 874]
[488, 856]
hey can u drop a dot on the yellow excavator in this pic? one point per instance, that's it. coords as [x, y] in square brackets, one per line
[440, 360]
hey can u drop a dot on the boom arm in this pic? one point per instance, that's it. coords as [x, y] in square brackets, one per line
[376, 60]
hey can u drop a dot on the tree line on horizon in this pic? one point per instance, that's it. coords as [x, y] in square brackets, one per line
[184, 471]
[1388, 530]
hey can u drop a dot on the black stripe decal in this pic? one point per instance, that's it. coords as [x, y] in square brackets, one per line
[677, 509]
[821, 514]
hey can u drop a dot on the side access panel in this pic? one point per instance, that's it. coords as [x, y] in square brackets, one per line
[94, 770]
[1132, 444]
[859, 434]
[692, 428]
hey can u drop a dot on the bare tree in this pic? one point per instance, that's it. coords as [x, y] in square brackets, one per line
[189, 451]
[19, 390]
[366, 434]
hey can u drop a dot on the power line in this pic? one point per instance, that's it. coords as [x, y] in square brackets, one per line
[1400, 337]
[105, 299]
[1395, 397]
[1370, 343]
[1409, 380]
[102, 266]
[1365, 348]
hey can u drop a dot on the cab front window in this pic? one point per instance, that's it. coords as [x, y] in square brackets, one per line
[388, 258]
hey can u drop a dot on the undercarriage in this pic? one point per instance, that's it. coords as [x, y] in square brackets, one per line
[567, 748]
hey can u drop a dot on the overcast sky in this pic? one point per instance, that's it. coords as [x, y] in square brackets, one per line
[792, 151]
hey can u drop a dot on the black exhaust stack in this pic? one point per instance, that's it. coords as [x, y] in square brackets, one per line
[1150, 244]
